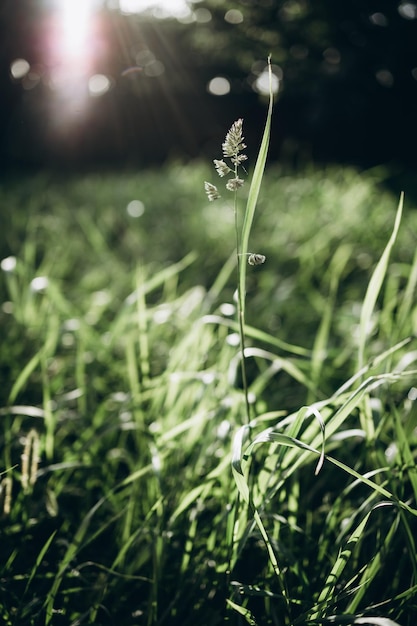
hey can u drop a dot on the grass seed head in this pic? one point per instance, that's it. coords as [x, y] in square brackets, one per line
[256, 259]
[233, 144]
[211, 191]
[6, 494]
[221, 167]
[30, 459]
[233, 184]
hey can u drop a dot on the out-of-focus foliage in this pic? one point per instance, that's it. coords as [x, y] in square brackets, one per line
[347, 74]
[347, 70]
[309, 39]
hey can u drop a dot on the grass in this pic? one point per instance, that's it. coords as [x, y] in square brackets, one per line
[133, 490]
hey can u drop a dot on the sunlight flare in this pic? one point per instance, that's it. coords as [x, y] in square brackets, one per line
[75, 27]
[158, 8]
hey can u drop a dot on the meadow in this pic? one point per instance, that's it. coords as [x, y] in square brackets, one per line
[147, 478]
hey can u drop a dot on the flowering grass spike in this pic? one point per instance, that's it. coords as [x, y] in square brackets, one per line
[256, 259]
[233, 184]
[221, 167]
[233, 144]
[232, 147]
[211, 191]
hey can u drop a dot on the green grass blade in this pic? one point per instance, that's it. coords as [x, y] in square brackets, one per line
[254, 193]
[352, 620]
[246, 614]
[237, 469]
[39, 559]
[243, 488]
[260, 335]
[326, 596]
[24, 377]
[381, 490]
[375, 285]
[407, 302]
[372, 568]
[70, 553]
[406, 454]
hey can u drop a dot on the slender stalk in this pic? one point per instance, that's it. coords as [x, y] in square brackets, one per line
[241, 313]
[233, 157]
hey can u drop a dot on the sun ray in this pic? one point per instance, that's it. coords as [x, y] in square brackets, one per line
[158, 8]
[75, 18]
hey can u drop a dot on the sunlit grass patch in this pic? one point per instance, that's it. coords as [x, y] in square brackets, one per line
[123, 416]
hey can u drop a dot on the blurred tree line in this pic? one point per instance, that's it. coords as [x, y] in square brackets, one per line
[346, 72]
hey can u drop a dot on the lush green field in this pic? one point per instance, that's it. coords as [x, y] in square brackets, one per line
[133, 491]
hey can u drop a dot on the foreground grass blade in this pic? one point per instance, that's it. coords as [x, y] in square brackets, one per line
[243, 488]
[242, 611]
[326, 597]
[373, 568]
[254, 193]
[39, 559]
[375, 285]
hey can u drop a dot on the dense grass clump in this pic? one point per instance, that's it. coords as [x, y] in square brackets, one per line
[133, 489]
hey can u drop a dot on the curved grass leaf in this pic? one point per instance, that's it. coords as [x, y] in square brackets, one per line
[254, 193]
[375, 285]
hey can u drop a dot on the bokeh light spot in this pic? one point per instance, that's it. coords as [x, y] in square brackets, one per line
[7, 307]
[408, 10]
[154, 68]
[31, 79]
[40, 283]
[135, 208]
[219, 86]
[145, 56]
[19, 68]
[234, 16]
[98, 85]
[379, 19]
[412, 394]
[261, 84]
[384, 78]
[227, 309]
[8, 264]
[202, 15]
[233, 339]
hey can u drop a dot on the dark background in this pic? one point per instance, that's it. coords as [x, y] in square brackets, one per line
[348, 92]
